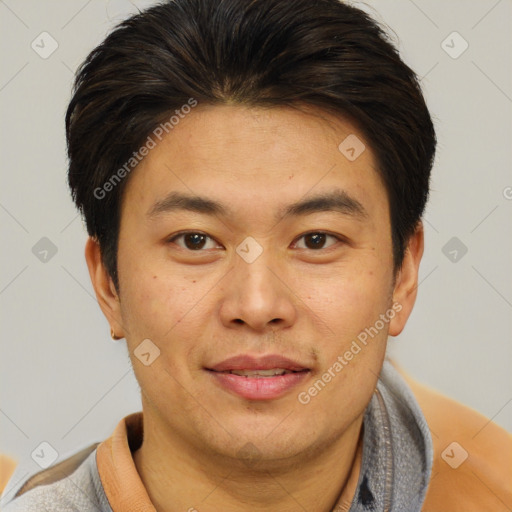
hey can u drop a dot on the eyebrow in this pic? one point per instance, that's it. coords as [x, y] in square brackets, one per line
[337, 200]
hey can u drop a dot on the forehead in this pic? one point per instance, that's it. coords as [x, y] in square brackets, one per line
[213, 131]
[261, 155]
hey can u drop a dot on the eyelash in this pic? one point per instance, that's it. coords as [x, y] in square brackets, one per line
[184, 233]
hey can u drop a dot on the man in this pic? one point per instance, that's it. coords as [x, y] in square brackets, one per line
[252, 174]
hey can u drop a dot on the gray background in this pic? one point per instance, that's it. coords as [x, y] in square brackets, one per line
[65, 382]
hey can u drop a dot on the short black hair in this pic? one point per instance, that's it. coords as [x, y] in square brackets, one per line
[322, 53]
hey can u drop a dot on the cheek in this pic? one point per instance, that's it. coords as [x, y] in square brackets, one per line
[156, 307]
[164, 311]
[350, 300]
[151, 295]
[354, 346]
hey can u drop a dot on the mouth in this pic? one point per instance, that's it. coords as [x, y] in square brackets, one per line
[262, 374]
[258, 378]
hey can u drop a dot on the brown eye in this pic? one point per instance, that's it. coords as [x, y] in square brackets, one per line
[317, 240]
[192, 241]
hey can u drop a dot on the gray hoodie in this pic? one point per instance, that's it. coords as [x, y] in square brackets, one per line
[395, 468]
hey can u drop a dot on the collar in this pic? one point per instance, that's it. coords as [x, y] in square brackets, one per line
[392, 473]
[118, 473]
[397, 449]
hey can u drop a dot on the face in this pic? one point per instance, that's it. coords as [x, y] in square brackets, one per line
[256, 258]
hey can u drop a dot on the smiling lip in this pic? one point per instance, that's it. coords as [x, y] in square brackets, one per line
[247, 362]
[258, 386]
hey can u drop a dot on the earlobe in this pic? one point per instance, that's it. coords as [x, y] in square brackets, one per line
[106, 293]
[406, 285]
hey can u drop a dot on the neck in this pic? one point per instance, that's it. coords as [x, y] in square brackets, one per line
[178, 476]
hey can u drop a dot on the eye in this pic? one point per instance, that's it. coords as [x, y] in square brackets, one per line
[193, 240]
[316, 240]
[196, 241]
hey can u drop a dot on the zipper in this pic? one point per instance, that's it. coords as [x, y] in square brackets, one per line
[389, 452]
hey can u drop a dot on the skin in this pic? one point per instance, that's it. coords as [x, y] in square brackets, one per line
[200, 307]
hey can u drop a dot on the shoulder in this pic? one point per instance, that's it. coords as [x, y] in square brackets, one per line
[68, 485]
[472, 464]
[7, 467]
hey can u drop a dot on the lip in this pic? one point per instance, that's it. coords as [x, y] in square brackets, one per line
[267, 362]
[258, 388]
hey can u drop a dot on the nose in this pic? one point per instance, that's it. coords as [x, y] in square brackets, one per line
[257, 295]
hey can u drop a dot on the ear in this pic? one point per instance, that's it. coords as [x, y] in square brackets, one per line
[106, 293]
[406, 284]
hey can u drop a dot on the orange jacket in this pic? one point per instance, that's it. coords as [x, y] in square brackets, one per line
[7, 467]
[483, 480]
[472, 467]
